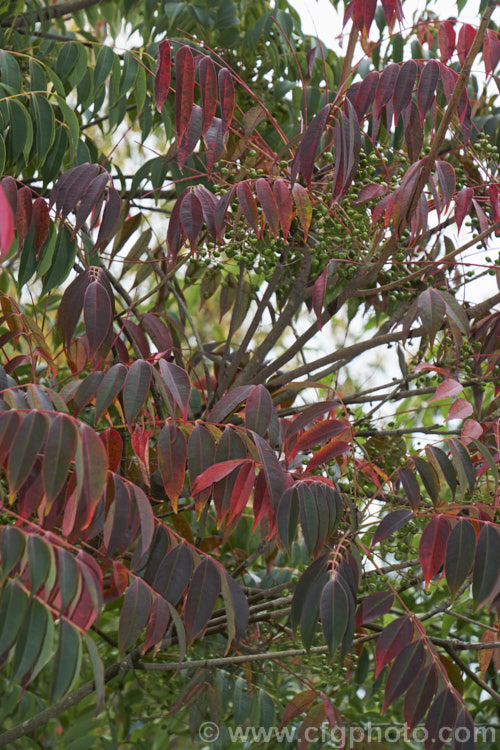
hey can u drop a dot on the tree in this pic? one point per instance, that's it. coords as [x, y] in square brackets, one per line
[208, 499]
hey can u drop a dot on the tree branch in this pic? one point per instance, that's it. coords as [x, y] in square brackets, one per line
[52, 11]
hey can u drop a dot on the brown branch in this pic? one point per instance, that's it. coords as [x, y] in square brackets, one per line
[52, 11]
[465, 667]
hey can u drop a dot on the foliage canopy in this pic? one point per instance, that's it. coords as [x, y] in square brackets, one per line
[210, 497]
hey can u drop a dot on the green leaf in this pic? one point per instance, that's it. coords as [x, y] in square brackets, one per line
[67, 660]
[20, 138]
[41, 562]
[98, 671]
[103, 65]
[12, 609]
[25, 448]
[11, 548]
[62, 260]
[71, 121]
[60, 449]
[45, 124]
[31, 643]
[10, 72]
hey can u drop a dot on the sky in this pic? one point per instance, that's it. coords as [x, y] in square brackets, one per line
[319, 17]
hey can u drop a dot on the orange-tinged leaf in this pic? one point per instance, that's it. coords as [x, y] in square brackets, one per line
[299, 703]
[303, 207]
[172, 454]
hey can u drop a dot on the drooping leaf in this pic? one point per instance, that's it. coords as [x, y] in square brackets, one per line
[208, 87]
[390, 523]
[442, 713]
[174, 574]
[269, 205]
[432, 310]
[405, 668]
[201, 597]
[335, 609]
[60, 449]
[373, 606]
[25, 447]
[432, 547]
[303, 207]
[226, 98]
[391, 641]
[249, 206]
[191, 218]
[410, 486]
[172, 454]
[404, 87]
[109, 388]
[427, 87]
[306, 600]
[184, 89]
[135, 388]
[162, 74]
[419, 695]
[309, 143]
[486, 575]
[259, 410]
[460, 550]
[6, 223]
[178, 385]
[284, 206]
[98, 315]
[134, 614]
[236, 605]
[67, 660]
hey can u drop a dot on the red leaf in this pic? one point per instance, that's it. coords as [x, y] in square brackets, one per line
[392, 641]
[91, 199]
[208, 203]
[327, 452]
[441, 714]
[9, 186]
[460, 409]
[365, 93]
[431, 309]
[241, 491]
[284, 205]
[277, 480]
[208, 86]
[414, 133]
[404, 87]
[134, 615]
[466, 36]
[249, 206]
[491, 51]
[432, 547]
[427, 87]
[390, 523]
[463, 201]
[172, 454]
[410, 486]
[226, 97]
[385, 88]
[191, 216]
[446, 40]
[91, 464]
[23, 213]
[299, 703]
[201, 597]
[157, 624]
[403, 672]
[268, 203]
[40, 223]
[140, 446]
[373, 606]
[318, 294]
[186, 145]
[162, 75]
[174, 236]
[228, 403]
[319, 433]
[135, 388]
[113, 445]
[217, 472]
[98, 315]
[184, 89]
[259, 410]
[6, 223]
[449, 387]
[110, 215]
[303, 207]
[447, 180]
[420, 695]
[214, 143]
[178, 384]
[310, 142]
